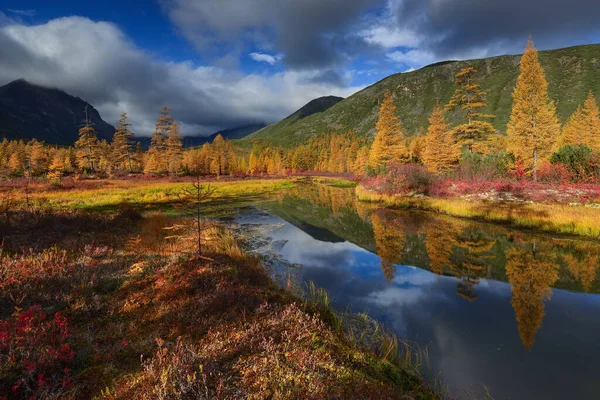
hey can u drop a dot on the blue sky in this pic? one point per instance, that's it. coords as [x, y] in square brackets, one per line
[225, 63]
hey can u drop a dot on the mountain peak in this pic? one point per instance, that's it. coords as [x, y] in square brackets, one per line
[30, 111]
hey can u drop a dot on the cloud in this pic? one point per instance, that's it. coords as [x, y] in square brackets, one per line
[263, 57]
[311, 33]
[99, 63]
[412, 58]
[460, 28]
[23, 13]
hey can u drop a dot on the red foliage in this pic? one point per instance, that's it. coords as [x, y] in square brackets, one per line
[555, 173]
[35, 351]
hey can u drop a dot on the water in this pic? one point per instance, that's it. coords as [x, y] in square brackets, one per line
[515, 313]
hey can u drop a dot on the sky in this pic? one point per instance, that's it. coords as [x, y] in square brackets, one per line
[220, 64]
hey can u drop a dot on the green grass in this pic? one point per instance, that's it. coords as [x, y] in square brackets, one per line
[571, 73]
[151, 195]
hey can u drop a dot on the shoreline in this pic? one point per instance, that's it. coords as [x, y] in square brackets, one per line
[578, 221]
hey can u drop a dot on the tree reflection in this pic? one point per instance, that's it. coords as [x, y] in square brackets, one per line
[583, 265]
[390, 239]
[531, 270]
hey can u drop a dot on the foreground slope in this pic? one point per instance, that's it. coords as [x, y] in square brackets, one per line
[30, 111]
[571, 72]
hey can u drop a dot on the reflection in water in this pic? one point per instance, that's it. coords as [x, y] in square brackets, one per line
[413, 271]
[531, 270]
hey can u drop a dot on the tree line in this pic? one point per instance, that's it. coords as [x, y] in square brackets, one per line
[534, 134]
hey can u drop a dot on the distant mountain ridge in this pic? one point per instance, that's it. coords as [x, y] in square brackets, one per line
[571, 73]
[30, 111]
[313, 107]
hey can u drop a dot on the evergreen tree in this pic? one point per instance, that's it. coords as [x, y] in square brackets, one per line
[533, 128]
[470, 98]
[440, 150]
[388, 144]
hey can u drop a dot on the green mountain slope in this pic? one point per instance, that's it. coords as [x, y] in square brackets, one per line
[571, 72]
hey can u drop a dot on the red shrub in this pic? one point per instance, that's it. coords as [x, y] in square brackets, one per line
[555, 173]
[35, 354]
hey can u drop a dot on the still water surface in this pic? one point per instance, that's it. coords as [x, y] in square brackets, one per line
[515, 313]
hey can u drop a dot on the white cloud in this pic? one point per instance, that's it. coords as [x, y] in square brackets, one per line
[390, 36]
[414, 58]
[99, 63]
[23, 13]
[263, 57]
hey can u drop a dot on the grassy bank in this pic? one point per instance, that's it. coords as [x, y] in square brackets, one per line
[105, 305]
[108, 194]
[551, 218]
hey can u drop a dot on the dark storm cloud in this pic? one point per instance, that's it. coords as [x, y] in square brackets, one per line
[453, 27]
[78, 56]
[310, 33]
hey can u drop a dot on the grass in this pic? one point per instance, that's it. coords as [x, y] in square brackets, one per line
[551, 218]
[104, 305]
[110, 194]
[570, 72]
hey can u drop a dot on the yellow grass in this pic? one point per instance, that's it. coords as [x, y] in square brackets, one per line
[113, 193]
[555, 218]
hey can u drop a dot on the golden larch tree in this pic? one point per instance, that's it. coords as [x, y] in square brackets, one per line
[121, 144]
[583, 127]
[389, 141]
[533, 128]
[469, 98]
[87, 147]
[531, 272]
[440, 150]
[173, 149]
[158, 144]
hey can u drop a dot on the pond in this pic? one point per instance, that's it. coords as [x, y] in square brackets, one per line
[498, 310]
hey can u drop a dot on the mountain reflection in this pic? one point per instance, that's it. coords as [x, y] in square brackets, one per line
[462, 249]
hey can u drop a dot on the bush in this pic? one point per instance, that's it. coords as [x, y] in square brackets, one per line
[35, 355]
[409, 177]
[581, 160]
[555, 173]
[476, 167]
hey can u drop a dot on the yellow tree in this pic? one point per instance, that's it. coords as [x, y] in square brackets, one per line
[158, 144]
[470, 99]
[584, 125]
[173, 149]
[389, 143]
[121, 144]
[440, 150]
[87, 147]
[533, 128]
[361, 162]
[531, 273]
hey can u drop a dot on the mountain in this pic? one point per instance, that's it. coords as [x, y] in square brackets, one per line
[193, 141]
[30, 111]
[236, 133]
[571, 72]
[288, 124]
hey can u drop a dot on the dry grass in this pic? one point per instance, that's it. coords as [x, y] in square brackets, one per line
[552, 218]
[210, 327]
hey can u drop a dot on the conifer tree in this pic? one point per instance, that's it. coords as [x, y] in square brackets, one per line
[440, 150]
[152, 166]
[583, 126]
[361, 162]
[122, 145]
[470, 98]
[15, 164]
[158, 145]
[388, 144]
[173, 148]
[533, 128]
[87, 146]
